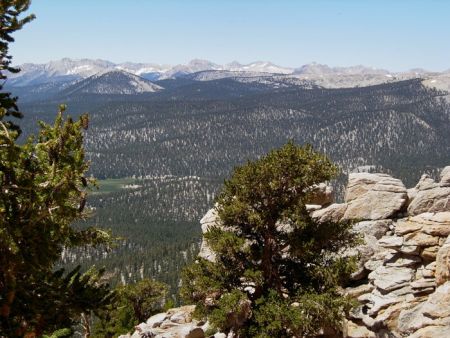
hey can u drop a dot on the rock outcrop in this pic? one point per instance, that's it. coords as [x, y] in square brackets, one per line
[429, 196]
[175, 323]
[322, 195]
[384, 194]
[404, 275]
[210, 219]
[403, 281]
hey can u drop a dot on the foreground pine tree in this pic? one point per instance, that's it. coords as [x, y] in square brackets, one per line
[277, 271]
[42, 191]
[11, 20]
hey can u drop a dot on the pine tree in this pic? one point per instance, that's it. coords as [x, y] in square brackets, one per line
[133, 304]
[277, 271]
[10, 21]
[42, 192]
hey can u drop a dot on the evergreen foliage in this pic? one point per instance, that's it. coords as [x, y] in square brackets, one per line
[10, 21]
[277, 271]
[42, 191]
[134, 304]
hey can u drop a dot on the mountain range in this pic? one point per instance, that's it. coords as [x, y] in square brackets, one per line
[67, 70]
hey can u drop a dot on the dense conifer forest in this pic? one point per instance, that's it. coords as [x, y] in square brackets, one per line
[156, 221]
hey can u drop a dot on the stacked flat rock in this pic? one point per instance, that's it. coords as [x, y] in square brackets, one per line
[407, 273]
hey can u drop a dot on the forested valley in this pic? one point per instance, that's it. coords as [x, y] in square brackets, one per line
[173, 148]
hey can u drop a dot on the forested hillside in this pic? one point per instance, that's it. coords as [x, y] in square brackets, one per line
[205, 128]
[156, 221]
[195, 132]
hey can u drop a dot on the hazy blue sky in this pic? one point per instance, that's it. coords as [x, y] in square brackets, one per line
[392, 34]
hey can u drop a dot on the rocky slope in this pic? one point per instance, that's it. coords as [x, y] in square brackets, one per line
[403, 281]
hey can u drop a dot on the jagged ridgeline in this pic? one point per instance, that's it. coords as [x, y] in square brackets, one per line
[185, 127]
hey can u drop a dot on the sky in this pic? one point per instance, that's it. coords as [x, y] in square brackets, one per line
[392, 34]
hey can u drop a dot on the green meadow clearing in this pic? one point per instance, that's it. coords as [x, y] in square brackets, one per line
[113, 184]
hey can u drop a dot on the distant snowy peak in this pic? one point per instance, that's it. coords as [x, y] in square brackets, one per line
[80, 70]
[317, 69]
[113, 82]
[258, 67]
[193, 66]
[58, 71]
[72, 69]
[143, 68]
[439, 81]
[197, 65]
[313, 69]
[82, 67]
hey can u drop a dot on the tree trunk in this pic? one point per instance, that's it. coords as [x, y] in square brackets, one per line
[270, 271]
[86, 325]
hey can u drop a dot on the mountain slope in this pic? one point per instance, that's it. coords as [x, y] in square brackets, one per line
[116, 82]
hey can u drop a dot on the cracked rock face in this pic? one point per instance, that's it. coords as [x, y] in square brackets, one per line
[432, 200]
[430, 196]
[385, 195]
[443, 263]
[445, 177]
[322, 194]
[332, 213]
[430, 223]
[390, 278]
[210, 219]
[371, 231]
